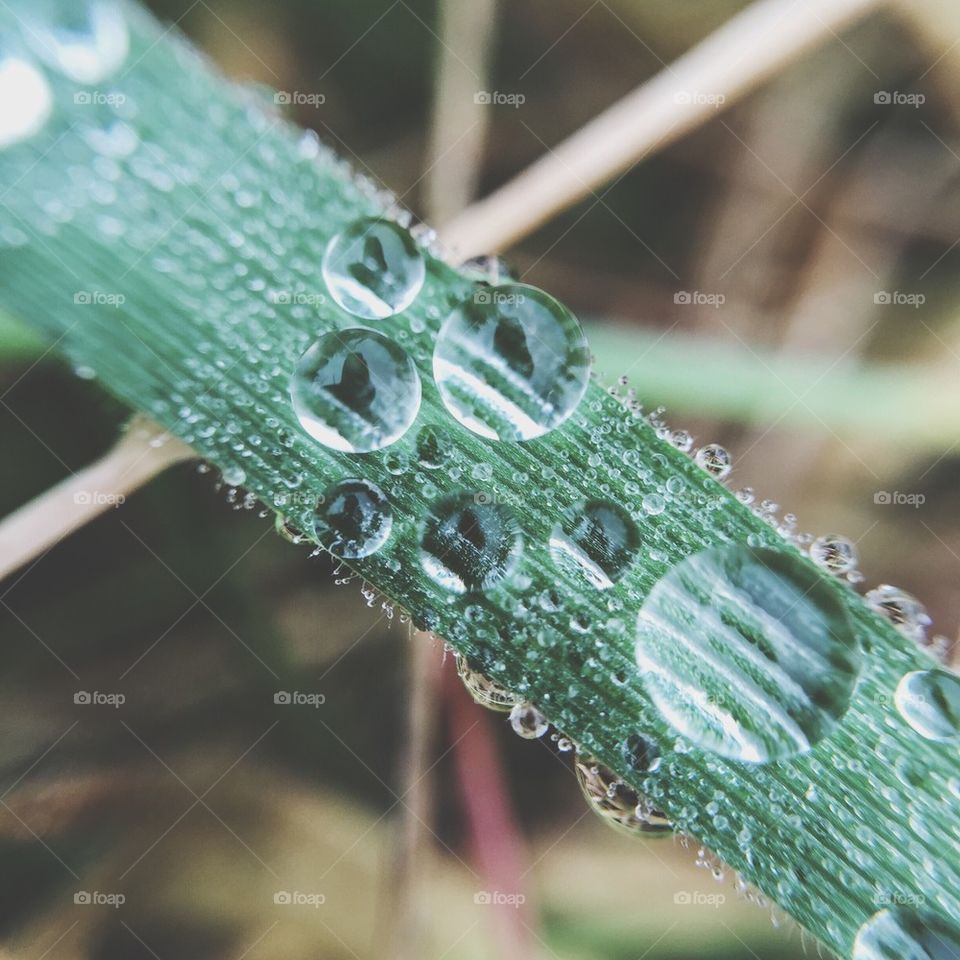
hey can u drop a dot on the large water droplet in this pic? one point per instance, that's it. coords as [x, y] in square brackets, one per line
[483, 690]
[528, 722]
[356, 391]
[903, 610]
[354, 519]
[617, 803]
[25, 101]
[834, 553]
[469, 544]
[747, 652]
[373, 269]
[905, 934]
[86, 41]
[596, 539]
[929, 700]
[511, 362]
[715, 460]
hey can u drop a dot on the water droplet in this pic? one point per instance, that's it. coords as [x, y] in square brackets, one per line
[511, 362]
[469, 544]
[483, 690]
[641, 753]
[355, 391]
[528, 722]
[929, 700]
[834, 553]
[26, 99]
[433, 451]
[615, 802]
[903, 609]
[354, 519]
[86, 41]
[373, 269]
[654, 504]
[234, 476]
[596, 539]
[715, 460]
[287, 530]
[747, 652]
[906, 934]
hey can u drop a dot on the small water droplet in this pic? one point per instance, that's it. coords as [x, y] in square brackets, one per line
[906, 934]
[528, 722]
[715, 460]
[641, 753]
[354, 519]
[596, 539]
[433, 452]
[654, 504]
[511, 363]
[356, 391]
[483, 690]
[834, 553]
[26, 101]
[747, 652]
[234, 476]
[929, 700]
[373, 269]
[469, 544]
[903, 610]
[617, 803]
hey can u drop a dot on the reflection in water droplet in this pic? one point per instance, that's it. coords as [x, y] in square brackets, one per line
[905, 934]
[469, 544]
[25, 101]
[511, 362]
[715, 460]
[356, 391]
[596, 539]
[432, 450]
[354, 519]
[929, 700]
[641, 753]
[373, 269]
[528, 722]
[747, 652]
[86, 40]
[616, 803]
[483, 690]
[903, 610]
[834, 553]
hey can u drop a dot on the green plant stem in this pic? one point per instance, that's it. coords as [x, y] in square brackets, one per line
[221, 207]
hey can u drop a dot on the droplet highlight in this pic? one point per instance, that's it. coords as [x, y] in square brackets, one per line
[25, 101]
[373, 269]
[511, 363]
[747, 652]
[355, 391]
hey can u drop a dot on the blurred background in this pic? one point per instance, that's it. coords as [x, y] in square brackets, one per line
[784, 279]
